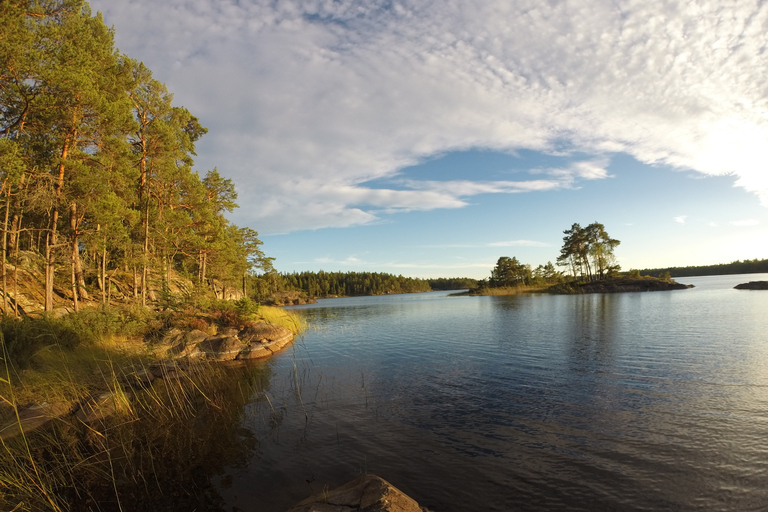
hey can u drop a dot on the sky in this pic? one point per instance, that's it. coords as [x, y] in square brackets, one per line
[428, 138]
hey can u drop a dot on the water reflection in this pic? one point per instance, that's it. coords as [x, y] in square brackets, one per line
[182, 433]
[592, 329]
[609, 402]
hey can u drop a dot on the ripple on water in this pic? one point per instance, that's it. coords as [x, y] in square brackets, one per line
[648, 401]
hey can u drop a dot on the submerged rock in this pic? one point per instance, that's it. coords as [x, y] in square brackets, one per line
[753, 285]
[368, 493]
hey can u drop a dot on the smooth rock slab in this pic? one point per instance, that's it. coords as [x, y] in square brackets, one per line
[182, 344]
[368, 493]
[34, 417]
[221, 348]
[265, 333]
[254, 350]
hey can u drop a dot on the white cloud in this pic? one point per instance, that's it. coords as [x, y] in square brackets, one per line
[325, 96]
[745, 222]
[680, 219]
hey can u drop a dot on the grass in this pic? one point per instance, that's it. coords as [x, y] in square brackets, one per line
[507, 290]
[160, 439]
[274, 315]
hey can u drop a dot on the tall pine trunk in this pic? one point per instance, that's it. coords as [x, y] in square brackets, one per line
[51, 241]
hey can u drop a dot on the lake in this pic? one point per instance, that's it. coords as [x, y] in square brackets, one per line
[636, 401]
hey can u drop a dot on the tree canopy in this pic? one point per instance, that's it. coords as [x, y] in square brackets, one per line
[586, 252]
[96, 164]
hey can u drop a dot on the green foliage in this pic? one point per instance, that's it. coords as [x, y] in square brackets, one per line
[25, 337]
[510, 272]
[350, 284]
[245, 307]
[452, 283]
[634, 274]
[233, 313]
[588, 252]
[97, 163]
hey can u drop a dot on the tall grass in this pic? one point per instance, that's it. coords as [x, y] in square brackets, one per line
[508, 290]
[156, 448]
[279, 316]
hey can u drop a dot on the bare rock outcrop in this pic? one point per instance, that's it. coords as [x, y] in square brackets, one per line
[368, 493]
[254, 341]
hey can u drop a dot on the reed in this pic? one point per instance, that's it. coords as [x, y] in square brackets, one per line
[283, 317]
[508, 290]
[153, 448]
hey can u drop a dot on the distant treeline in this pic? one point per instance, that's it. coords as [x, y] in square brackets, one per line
[755, 266]
[454, 283]
[350, 284]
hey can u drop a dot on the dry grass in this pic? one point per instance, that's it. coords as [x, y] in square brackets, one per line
[509, 290]
[158, 438]
[286, 318]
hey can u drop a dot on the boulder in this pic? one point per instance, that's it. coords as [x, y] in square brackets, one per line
[221, 348]
[264, 333]
[186, 344]
[368, 493]
[255, 341]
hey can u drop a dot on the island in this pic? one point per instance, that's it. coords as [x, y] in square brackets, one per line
[752, 285]
[618, 285]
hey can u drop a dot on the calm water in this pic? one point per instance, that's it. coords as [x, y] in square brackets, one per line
[638, 401]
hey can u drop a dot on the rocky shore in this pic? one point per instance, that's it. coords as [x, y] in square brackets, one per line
[752, 285]
[178, 352]
[255, 341]
[632, 285]
[620, 285]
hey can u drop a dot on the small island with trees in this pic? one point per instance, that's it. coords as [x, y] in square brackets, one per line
[591, 267]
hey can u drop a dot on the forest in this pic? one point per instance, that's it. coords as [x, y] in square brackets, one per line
[96, 166]
[754, 266]
[348, 284]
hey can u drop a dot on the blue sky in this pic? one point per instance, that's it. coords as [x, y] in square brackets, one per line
[429, 138]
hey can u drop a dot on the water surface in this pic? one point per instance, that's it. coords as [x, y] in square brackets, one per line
[636, 401]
